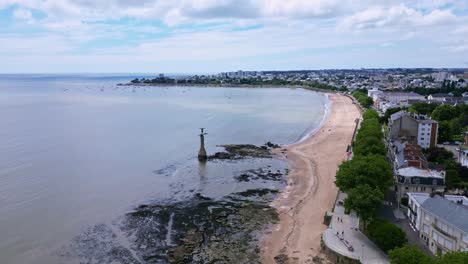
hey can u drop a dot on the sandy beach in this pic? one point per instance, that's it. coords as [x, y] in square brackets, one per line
[311, 190]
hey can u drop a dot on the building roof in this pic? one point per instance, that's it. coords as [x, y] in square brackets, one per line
[418, 118]
[403, 94]
[397, 115]
[459, 198]
[452, 213]
[417, 172]
[419, 197]
[440, 95]
[405, 152]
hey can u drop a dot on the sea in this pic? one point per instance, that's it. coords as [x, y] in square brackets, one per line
[79, 151]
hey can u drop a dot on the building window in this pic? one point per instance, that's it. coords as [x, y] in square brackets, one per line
[448, 244]
[422, 138]
[426, 229]
[428, 134]
[427, 217]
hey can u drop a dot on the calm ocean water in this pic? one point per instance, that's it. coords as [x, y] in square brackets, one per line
[77, 150]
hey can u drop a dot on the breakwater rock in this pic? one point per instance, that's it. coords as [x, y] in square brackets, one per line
[239, 151]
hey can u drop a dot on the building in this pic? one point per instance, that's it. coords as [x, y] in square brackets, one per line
[418, 128]
[386, 100]
[463, 152]
[439, 97]
[440, 76]
[375, 94]
[412, 172]
[415, 200]
[444, 225]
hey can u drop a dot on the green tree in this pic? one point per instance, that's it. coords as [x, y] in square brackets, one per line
[409, 255]
[371, 145]
[365, 200]
[453, 258]
[369, 114]
[363, 99]
[452, 178]
[422, 108]
[372, 170]
[438, 155]
[386, 235]
[444, 113]
[444, 133]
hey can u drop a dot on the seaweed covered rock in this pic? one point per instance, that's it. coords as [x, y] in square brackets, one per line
[239, 151]
[201, 230]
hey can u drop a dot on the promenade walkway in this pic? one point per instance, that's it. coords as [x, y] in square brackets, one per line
[344, 237]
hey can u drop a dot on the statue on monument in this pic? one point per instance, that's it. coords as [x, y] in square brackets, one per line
[202, 152]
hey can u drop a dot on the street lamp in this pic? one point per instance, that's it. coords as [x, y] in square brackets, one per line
[362, 252]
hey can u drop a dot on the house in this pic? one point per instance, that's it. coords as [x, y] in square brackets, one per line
[415, 200]
[419, 128]
[412, 172]
[454, 101]
[444, 225]
[439, 97]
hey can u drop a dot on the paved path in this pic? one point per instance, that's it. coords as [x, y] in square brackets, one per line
[348, 229]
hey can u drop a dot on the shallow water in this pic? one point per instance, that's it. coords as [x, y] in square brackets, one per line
[77, 151]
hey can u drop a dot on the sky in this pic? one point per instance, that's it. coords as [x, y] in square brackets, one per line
[211, 36]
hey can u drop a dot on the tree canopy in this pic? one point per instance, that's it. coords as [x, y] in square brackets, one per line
[363, 99]
[412, 255]
[372, 170]
[409, 255]
[386, 235]
[369, 138]
[453, 258]
[365, 200]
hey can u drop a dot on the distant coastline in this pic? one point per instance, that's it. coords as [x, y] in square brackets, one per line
[229, 85]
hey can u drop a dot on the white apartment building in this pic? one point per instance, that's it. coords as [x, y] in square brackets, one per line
[444, 225]
[440, 76]
[415, 200]
[418, 128]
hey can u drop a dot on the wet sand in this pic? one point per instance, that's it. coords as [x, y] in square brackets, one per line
[311, 190]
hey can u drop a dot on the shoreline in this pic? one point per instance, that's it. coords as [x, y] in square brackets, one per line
[165, 85]
[311, 132]
[310, 191]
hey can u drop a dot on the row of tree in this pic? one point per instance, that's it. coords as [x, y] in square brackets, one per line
[362, 98]
[368, 175]
[157, 80]
[366, 178]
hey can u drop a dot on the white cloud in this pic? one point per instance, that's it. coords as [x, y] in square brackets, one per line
[24, 15]
[204, 35]
[395, 16]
